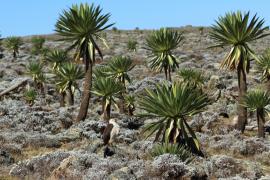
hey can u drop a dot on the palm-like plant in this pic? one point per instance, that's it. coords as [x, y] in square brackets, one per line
[161, 43]
[35, 70]
[101, 71]
[37, 44]
[119, 67]
[266, 51]
[237, 31]
[66, 79]
[172, 106]
[62, 95]
[263, 64]
[132, 45]
[30, 96]
[176, 149]
[192, 77]
[82, 25]
[107, 89]
[130, 104]
[57, 57]
[13, 44]
[258, 101]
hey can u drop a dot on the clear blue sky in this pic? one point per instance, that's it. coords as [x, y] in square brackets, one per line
[28, 17]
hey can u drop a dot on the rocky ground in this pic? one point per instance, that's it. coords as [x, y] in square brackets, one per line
[44, 142]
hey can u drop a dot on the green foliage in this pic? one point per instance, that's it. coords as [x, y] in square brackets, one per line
[35, 70]
[266, 51]
[81, 24]
[119, 67]
[130, 103]
[263, 65]
[132, 45]
[30, 96]
[161, 43]
[13, 44]
[67, 75]
[107, 88]
[130, 100]
[101, 71]
[57, 57]
[192, 77]
[185, 155]
[171, 106]
[44, 52]
[237, 31]
[37, 44]
[257, 99]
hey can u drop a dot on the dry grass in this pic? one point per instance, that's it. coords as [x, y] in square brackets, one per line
[30, 152]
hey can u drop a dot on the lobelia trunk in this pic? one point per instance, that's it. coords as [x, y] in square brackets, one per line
[242, 88]
[170, 77]
[41, 89]
[166, 72]
[103, 105]
[131, 110]
[107, 112]
[62, 99]
[122, 108]
[174, 133]
[86, 94]
[70, 96]
[121, 104]
[260, 120]
[268, 83]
